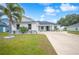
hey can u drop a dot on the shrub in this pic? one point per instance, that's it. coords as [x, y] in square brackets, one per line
[23, 29]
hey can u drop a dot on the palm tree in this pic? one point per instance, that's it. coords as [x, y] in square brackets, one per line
[14, 12]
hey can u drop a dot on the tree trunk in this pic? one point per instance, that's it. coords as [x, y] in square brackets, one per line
[10, 24]
[10, 27]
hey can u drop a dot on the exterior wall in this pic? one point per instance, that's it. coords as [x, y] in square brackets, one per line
[24, 24]
[35, 26]
[51, 27]
[1, 29]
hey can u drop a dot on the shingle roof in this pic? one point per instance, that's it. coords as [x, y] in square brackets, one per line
[74, 25]
[44, 22]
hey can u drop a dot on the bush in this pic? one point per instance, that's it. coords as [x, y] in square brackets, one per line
[23, 29]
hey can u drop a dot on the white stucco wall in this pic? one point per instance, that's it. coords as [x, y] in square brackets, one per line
[24, 24]
[52, 27]
[35, 26]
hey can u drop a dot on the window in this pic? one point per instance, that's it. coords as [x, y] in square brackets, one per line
[18, 26]
[29, 26]
[42, 27]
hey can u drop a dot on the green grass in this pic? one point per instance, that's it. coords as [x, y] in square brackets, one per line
[74, 32]
[26, 44]
[4, 34]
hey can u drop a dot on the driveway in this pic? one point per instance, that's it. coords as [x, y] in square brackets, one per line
[64, 43]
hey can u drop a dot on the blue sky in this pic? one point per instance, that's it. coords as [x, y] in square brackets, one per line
[49, 12]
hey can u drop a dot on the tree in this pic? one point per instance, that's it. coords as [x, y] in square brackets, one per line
[14, 12]
[69, 20]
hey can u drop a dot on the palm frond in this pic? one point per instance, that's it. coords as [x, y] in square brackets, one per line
[6, 11]
[18, 16]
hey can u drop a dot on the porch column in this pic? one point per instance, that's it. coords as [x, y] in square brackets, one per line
[44, 28]
[38, 28]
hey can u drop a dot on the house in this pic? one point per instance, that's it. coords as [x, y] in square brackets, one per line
[3, 27]
[37, 25]
[74, 27]
[30, 24]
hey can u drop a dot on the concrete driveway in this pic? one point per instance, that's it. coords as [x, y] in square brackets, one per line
[64, 43]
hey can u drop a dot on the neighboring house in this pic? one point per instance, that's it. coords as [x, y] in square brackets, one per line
[74, 27]
[3, 27]
[30, 24]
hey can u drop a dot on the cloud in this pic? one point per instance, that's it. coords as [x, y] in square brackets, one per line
[50, 11]
[68, 7]
[42, 17]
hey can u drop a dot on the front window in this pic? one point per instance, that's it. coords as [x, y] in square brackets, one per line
[18, 26]
[29, 26]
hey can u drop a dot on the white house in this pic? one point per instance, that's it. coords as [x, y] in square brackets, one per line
[30, 24]
[37, 25]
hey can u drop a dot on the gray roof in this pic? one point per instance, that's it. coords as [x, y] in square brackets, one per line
[40, 22]
[28, 22]
[74, 25]
[44, 22]
[2, 24]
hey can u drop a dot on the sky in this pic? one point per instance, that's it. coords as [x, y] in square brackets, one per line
[51, 12]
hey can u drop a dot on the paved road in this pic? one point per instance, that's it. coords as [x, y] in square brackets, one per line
[64, 43]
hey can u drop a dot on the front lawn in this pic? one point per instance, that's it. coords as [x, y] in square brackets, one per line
[74, 32]
[26, 44]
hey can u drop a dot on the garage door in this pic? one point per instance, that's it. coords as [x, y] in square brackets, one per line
[1, 29]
